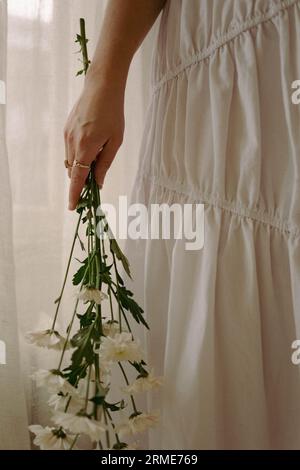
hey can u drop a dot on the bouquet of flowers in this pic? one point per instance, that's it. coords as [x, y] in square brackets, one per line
[95, 343]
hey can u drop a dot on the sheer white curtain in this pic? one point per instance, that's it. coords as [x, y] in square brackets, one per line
[13, 433]
[41, 88]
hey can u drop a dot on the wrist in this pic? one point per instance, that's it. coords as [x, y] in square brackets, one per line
[108, 75]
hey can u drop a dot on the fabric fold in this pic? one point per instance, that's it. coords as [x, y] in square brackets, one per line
[223, 132]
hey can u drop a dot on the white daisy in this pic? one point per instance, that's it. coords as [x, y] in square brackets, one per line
[137, 424]
[105, 377]
[50, 339]
[105, 374]
[120, 348]
[111, 328]
[52, 380]
[51, 438]
[90, 294]
[60, 400]
[143, 384]
[80, 424]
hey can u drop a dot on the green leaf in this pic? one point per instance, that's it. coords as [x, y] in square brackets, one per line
[83, 339]
[140, 369]
[120, 255]
[80, 336]
[97, 400]
[120, 280]
[106, 268]
[78, 276]
[83, 203]
[74, 372]
[105, 275]
[86, 319]
[114, 406]
[89, 231]
[131, 305]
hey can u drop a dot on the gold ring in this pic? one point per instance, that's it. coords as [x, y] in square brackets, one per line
[67, 164]
[81, 165]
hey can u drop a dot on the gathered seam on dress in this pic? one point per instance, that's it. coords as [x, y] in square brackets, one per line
[235, 208]
[252, 22]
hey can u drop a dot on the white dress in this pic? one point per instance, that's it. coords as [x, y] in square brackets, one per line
[222, 130]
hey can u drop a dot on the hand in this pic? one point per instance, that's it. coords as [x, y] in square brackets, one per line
[94, 131]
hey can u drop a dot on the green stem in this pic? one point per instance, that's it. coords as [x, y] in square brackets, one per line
[113, 426]
[84, 51]
[74, 442]
[118, 286]
[108, 288]
[67, 272]
[96, 203]
[97, 377]
[107, 431]
[110, 304]
[122, 311]
[87, 389]
[68, 335]
[72, 320]
[76, 384]
[127, 383]
[100, 444]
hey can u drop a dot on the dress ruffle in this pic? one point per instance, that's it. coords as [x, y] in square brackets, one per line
[221, 130]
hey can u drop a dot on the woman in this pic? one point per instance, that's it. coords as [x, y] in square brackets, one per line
[221, 130]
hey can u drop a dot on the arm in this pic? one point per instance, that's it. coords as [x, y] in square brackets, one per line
[97, 119]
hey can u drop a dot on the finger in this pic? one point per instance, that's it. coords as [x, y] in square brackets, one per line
[69, 151]
[78, 178]
[104, 161]
[66, 149]
[79, 175]
[69, 139]
[71, 157]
